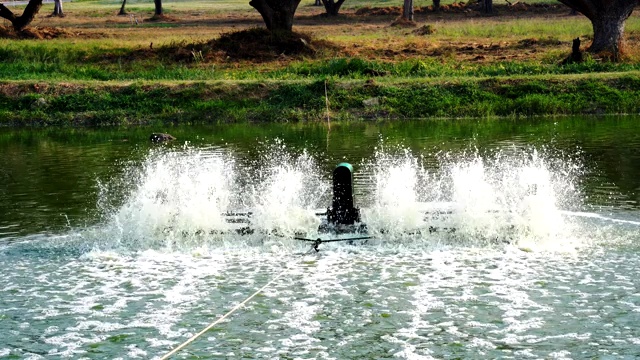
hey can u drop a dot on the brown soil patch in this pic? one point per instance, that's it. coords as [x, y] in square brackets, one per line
[503, 50]
[14, 90]
[257, 45]
[402, 22]
[260, 43]
[42, 33]
[534, 42]
[33, 33]
[373, 11]
[458, 7]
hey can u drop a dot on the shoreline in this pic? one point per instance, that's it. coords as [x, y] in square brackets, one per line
[39, 103]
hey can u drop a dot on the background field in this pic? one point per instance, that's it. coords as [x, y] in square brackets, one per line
[465, 41]
[521, 47]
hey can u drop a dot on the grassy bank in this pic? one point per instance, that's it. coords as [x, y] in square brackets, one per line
[91, 103]
[101, 68]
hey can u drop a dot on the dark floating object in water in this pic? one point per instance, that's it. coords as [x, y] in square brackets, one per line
[161, 137]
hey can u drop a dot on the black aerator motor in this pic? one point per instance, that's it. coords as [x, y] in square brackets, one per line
[343, 216]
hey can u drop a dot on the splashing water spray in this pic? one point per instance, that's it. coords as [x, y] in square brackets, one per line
[208, 197]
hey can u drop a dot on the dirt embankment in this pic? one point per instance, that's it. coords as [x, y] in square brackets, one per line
[34, 32]
[45, 33]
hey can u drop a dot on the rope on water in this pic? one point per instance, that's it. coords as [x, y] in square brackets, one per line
[194, 337]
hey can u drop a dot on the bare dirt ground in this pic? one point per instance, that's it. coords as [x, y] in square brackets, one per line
[44, 33]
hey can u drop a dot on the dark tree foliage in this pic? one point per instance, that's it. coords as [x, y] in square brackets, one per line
[332, 7]
[19, 23]
[607, 18]
[277, 14]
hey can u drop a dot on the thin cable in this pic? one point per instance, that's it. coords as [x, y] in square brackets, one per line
[194, 337]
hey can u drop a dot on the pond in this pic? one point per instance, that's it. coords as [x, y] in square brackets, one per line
[114, 247]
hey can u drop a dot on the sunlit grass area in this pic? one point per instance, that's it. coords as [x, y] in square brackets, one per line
[501, 65]
[98, 36]
[91, 6]
[196, 20]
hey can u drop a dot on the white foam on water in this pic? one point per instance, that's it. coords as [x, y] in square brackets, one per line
[287, 191]
[169, 193]
[183, 198]
[158, 269]
[396, 203]
[515, 196]
[179, 198]
[600, 217]
[410, 300]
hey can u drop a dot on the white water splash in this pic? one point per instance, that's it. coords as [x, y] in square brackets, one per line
[516, 196]
[288, 191]
[519, 191]
[390, 298]
[395, 203]
[173, 192]
[183, 198]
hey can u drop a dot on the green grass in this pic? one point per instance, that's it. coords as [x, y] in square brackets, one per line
[72, 62]
[296, 101]
[108, 79]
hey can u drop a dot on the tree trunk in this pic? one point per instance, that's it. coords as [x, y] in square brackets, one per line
[488, 6]
[332, 7]
[277, 14]
[122, 10]
[407, 10]
[436, 5]
[318, 3]
[158, 4]
[608, 32]
[607, 18]
[57, 8]
[19, 23]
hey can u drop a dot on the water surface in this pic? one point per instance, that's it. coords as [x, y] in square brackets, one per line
[111, 246]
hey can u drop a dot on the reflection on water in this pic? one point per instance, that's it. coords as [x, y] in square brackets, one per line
[102, 261]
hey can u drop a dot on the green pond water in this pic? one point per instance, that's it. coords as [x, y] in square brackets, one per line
[114, 247]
